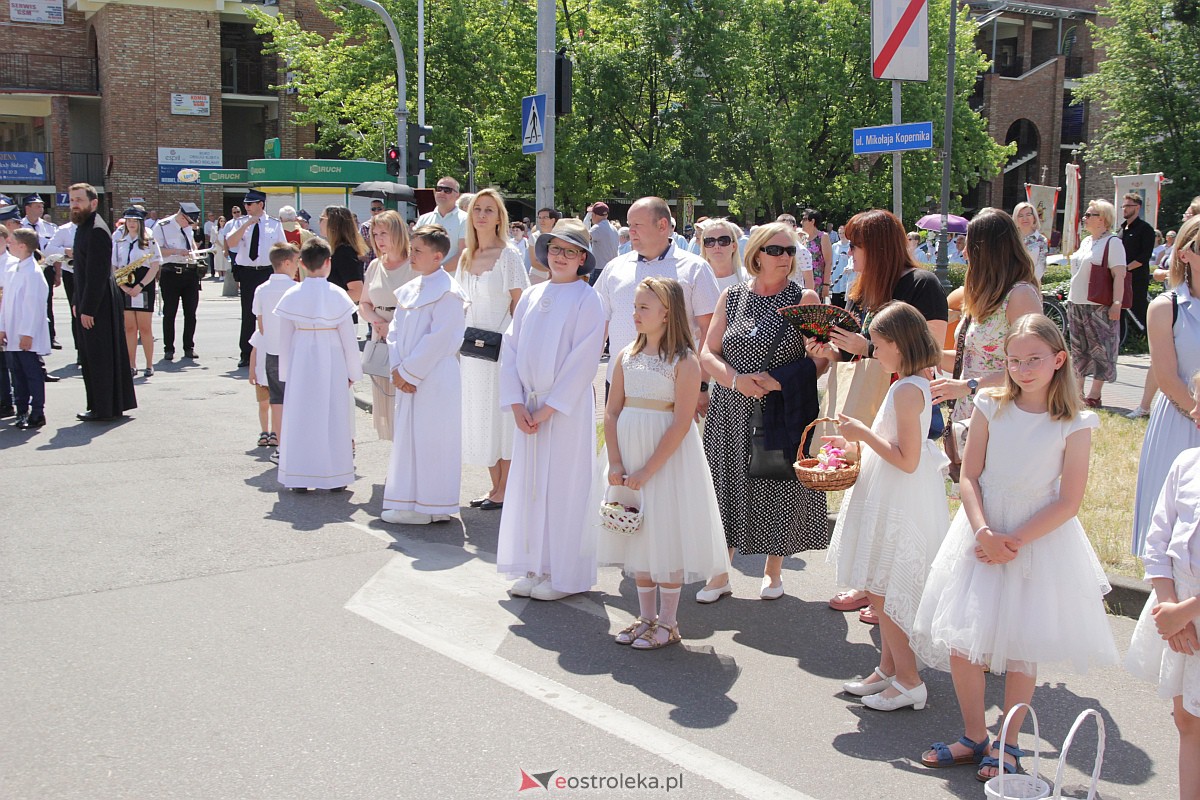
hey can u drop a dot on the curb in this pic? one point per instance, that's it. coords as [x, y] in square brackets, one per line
[1127, 598]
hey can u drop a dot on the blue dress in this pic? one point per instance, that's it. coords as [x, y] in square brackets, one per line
[1170, 432]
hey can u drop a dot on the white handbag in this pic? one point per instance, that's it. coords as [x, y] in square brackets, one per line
[375, 359]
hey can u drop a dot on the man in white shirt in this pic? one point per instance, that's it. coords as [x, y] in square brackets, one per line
[516, 232]
[35, 207]
[655, 254]
[7, 262]
[252, 239]
[447, 214]
[62, 244]
[604, 239]
[210, 238]
[546, 217]
[179, 276]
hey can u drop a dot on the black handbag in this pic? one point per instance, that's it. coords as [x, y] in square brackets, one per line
[480, 343]
[774, 465]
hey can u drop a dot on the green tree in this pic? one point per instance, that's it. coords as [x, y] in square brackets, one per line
[1148, 87]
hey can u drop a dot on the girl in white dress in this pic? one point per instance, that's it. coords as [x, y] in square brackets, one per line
[894, 517]
[548, 363]
[1165, 648]
[653, 446]
[1016, 582]
[492, 274]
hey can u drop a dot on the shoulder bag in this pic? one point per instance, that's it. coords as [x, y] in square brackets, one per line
[1100, 283]
[481, 343]
[375, 359]
[954, 435]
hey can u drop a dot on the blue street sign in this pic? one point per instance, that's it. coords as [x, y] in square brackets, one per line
[62, 199]
[893, 138]
[533, 123]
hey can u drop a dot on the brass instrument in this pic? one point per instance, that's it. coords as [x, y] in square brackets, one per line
[125, 274]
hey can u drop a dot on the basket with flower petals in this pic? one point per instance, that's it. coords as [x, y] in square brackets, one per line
[832, 470]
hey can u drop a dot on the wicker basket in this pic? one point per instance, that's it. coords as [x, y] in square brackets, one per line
[810, 474]
[618, 520]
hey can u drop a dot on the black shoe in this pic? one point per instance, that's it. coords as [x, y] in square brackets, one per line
[478, 501]
[91, 416]
[54, 345]
[189, 353]
[34, 421]
[168, 355]
[245, 362]
[491, 505]
[52, 378]
[299, 490]
[22, 421]
[7, 411]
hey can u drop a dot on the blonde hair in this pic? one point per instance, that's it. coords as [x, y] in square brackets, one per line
[1188, 238]
[1063, 400]
[677, 339]
[714, 227]
[396, 230]
[903, 325]
[1106, 211]
[1017, 209]
[758, 240]
[501, 224]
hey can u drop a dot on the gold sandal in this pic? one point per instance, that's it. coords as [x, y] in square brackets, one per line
[648, 641]
[634, 631]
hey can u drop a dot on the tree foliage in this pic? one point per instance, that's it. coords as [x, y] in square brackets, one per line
[749, 101]
[1148, 87]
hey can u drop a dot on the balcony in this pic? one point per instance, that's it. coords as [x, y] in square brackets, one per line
[37, 72]
[248, 75]
[87, 168]
[1074, 67]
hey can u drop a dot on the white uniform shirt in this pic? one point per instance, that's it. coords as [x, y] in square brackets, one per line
[168, 234]
[63, 238]
[23, 308]
[266, 297]
[455, 224]
[270, 231]
[45, 231]
[618, 283]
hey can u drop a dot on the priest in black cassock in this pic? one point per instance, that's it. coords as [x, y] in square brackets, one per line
[97, 303]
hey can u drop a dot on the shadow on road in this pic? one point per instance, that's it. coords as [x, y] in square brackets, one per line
[80, 434]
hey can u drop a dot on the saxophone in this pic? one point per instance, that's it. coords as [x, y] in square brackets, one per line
[125, 275]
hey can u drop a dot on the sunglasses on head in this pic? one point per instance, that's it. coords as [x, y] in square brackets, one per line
[779, 249]
[718, 241]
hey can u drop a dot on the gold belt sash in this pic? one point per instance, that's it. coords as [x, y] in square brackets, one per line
[316, 329]
[650, 405]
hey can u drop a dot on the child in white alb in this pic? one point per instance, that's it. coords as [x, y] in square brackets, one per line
[1016, 582]
[653, 447]
[1165, 648]
[894, 517]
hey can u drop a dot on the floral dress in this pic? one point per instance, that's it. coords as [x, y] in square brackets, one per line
[983, 352]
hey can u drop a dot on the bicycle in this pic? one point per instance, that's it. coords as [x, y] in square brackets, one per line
[1056, 312]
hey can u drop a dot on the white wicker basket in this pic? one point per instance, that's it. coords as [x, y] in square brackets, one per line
[1029, 786]
[618, 520]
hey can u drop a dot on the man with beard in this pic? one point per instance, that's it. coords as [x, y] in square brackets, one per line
[97, 302]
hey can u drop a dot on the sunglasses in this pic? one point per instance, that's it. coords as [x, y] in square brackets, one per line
[718, 241]
[376, 209]
[1088, 214]
[779, 249]
[446, 189]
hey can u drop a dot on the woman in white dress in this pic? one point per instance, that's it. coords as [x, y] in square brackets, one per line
[492, 274]
[377, 305]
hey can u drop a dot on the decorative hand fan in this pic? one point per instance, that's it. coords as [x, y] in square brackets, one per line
[815, 322]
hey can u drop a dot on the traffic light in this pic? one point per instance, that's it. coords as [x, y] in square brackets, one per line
[563, 68]
[419, 147]
[391, 158]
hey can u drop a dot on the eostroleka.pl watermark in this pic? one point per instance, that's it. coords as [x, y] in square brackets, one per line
[552, 780]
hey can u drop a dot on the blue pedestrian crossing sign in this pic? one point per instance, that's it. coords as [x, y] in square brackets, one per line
[533, 124]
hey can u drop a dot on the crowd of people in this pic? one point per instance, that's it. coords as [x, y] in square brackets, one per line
[468, 319]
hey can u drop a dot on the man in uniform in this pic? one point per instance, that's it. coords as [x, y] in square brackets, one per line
[252, 239]
[179, 277]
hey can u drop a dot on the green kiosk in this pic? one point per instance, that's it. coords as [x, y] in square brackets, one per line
[308, 184]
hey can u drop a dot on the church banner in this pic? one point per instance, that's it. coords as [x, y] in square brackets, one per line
[1044, 200]
[1147, 186]
[1070, 234]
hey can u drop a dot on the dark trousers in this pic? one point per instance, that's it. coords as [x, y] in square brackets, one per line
[68, 279]
[6, 392]
[179, 287]
[1141, 285]
[249, 279]
[28, 381]
[49, 273]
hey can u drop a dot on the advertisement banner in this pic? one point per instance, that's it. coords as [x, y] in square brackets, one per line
[1070, 237]
[191, 105]
[173, 159]
[23, 167]
[1147, 186]
[44, 12]
[1044, 200]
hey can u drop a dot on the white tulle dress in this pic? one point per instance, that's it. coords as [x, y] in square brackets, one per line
[681, 531]
[1044, 606]
[892, 522]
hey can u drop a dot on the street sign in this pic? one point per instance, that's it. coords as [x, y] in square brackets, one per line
[900, 40]
[893, 138]
[533, 118]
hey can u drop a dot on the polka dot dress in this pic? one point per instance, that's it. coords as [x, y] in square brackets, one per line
[777, 518]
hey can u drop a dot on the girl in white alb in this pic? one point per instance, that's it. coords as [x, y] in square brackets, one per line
[1016, 582]
[895, 516]
[653, 447]
[1165, 648]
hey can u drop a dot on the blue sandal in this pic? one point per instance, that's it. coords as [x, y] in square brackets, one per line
[995, 763]
[944, 758]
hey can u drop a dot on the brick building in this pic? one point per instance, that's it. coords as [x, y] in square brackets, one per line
[124, 94]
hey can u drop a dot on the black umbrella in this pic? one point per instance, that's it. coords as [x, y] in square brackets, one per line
[385, 190]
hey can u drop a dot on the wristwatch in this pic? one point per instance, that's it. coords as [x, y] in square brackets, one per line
[972, 384]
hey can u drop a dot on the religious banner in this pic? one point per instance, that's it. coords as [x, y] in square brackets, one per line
[1044, 200]
[1147, 186]
[1070, 233]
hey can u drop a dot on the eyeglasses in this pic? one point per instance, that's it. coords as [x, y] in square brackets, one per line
[718, 241]
[779, 249]
[565, 252]
[1088, 214]
[1031, 364]
[446, 189]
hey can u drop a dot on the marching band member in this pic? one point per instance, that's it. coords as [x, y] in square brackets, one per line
[132, 244]
[179, 277]
[251, 238]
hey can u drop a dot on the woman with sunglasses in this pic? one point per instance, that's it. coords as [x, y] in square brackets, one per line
[1173, 327]
[819, 249]
[885, 271]
[747, 340]
[719, 247]
[1096, 329]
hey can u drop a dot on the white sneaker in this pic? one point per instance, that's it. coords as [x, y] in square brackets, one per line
[769, 592]
[274, 457]
[406, 517]
[525, 585]
[1137, 413]
[544, 591]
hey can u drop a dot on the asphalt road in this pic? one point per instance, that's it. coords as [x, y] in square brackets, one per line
[172, 625]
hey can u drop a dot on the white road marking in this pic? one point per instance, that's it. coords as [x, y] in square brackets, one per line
[408, 596]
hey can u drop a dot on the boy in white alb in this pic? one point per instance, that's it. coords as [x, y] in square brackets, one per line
[24, 329]
[319, 359]
[264, 357]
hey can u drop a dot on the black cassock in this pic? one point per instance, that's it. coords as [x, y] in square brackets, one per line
[102, 349]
